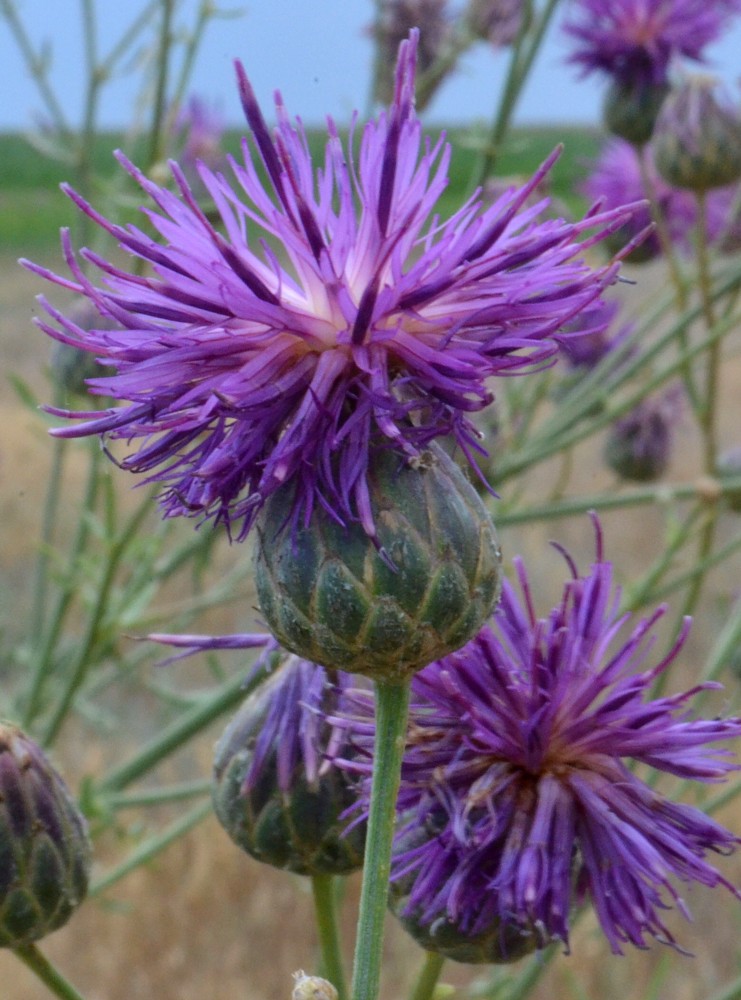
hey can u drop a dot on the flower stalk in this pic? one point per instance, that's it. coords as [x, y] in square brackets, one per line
[392, 708]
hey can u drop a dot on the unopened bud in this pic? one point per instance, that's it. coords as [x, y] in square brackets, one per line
[632, 107]
[334, 597]
[697, 140]
[45, 852]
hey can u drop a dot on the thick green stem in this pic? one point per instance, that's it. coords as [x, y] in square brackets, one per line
[424, 988]
[392, 707]
[49, 976]
[325, 909]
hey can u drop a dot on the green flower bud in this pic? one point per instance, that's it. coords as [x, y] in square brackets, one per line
[328, 594]
[697, 140]
[631, 109]
[275, 792]
[45, 852]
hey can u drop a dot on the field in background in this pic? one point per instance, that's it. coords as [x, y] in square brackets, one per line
[203, 922]
[32, 209]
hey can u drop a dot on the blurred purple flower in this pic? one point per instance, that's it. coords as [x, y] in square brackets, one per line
[517, 796]
[596, 335]
[200, 130]
[497, 21]
[296, 336]
[617, 180]
[635, 40]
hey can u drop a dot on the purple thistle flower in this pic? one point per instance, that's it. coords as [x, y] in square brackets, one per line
[518, 798]
[617, 179]
[295, 337]
[636, 40]
[592, 335]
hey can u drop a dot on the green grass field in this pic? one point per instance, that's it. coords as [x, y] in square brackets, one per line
[32, 208]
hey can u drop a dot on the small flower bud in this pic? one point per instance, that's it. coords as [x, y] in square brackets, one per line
[331, 595]
[638, 446]
[312, 988]
[275, 791]
[697, 139]
[45, 852]
[632, 107]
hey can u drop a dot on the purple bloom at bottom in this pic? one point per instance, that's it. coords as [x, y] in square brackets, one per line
[518, 796]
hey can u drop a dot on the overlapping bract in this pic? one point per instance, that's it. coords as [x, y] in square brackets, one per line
[329, 313]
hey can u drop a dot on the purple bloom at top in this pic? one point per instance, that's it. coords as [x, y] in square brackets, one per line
[519, 798]
[329, 312]
[634, 41]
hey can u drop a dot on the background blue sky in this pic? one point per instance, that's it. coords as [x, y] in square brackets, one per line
[316, 51]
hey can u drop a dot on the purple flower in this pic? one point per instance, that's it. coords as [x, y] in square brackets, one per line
[635, 40]
[518, 796]
[199, 129]
[591, 336]
[617, 180]
[297, 335]
[497, 21]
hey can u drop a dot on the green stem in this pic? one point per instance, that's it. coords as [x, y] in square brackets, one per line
[662, 230]
[49, 639]
[84, 657]
[392, 707]
[424, 988]
[179, 732]
[325, 909]
[49, 976]
[158, 796]
[156, 136]
[48, 526]
[520, 64]
[37, 65]
[151, 847]
[661, 493]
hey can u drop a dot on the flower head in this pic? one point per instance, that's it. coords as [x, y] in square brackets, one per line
[300, 333]
[636, 40]
[617, 179]
[497, 21]
[518, 795]
[275, 791]
[597, 335]
[639, 445]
